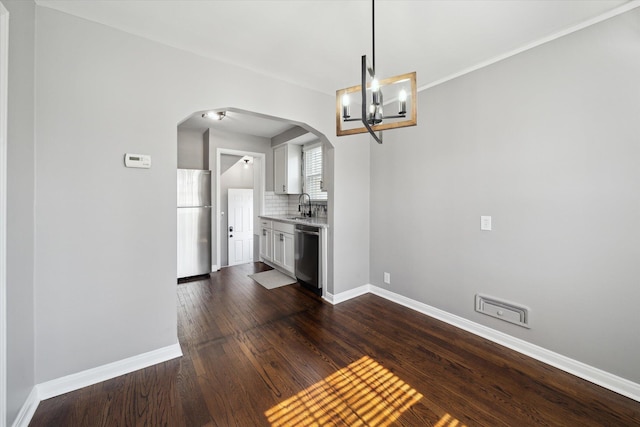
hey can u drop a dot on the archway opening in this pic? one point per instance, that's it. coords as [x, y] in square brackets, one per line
[221, 139]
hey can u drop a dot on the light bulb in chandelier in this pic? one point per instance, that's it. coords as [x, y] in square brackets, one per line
[375, 92]
[379, 115]
[375, 85]
[402, 102]
[346, 108]
[375, 114]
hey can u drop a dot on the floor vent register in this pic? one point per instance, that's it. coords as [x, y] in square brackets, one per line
[503, 310]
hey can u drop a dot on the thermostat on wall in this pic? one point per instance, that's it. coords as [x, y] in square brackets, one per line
[137, 160]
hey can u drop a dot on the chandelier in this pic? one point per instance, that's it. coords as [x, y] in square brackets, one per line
[400, 92]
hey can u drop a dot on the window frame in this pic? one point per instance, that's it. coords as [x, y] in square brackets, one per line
[309, 147]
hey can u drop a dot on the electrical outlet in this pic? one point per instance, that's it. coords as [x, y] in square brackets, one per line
[387, 278]
[485, 223]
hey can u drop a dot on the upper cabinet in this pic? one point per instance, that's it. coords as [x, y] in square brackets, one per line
[287, 166]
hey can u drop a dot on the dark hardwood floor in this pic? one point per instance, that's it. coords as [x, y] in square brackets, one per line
[254, 357]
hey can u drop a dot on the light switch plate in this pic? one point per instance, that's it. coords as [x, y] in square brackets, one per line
[485, 223]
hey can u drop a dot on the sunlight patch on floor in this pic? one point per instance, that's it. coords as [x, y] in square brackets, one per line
[362, 394]
[448, 421]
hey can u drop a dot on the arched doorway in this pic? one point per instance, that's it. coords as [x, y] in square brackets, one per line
[240, 133]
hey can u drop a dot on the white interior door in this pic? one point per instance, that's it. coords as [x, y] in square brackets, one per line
[240, 228]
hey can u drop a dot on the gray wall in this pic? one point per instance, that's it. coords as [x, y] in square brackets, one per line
[547, 143]
[191, 149]
[350, 229]
[20, 206]
[106, 237]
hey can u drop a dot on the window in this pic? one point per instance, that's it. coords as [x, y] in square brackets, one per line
[313, 171]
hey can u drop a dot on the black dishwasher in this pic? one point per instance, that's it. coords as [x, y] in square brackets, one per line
[307, 257]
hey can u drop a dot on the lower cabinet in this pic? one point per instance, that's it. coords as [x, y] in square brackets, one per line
[277, 244]
[266, 244]
[283, 251]
[266, 239]
[289, 253]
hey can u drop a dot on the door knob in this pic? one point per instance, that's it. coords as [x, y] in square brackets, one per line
[231, 228]
[230, 235]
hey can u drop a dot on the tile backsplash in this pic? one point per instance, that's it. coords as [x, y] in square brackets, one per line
[283, 204]
[277, 204]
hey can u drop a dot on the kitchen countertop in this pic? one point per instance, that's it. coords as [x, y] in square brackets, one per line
[320, 222]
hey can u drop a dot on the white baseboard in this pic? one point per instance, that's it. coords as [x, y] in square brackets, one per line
[89, 377]
[347, 295]
[28, 409]
[597, 376]
[92, 376]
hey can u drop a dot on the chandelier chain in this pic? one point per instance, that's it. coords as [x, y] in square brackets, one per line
[373, 35]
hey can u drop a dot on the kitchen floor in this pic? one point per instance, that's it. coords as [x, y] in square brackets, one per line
[285, 357]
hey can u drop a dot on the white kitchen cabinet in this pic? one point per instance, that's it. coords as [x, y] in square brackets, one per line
[277, 244]
[266, 244]
[287, 251]
[283, 246]
[266, 240]
[278, 249]
[287, 167]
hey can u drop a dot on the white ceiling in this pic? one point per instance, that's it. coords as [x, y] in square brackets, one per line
[318, 43]
[238, 122]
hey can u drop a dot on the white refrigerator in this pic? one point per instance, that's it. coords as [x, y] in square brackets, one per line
[194, 222]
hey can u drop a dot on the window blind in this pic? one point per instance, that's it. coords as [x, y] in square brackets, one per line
[313, 172]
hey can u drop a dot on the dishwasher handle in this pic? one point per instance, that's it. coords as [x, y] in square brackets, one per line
[305, 229]
[314, 233]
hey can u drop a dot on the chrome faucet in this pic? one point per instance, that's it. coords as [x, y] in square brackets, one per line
[300, 198]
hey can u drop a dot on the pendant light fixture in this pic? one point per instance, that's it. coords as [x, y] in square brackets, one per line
[371, 92]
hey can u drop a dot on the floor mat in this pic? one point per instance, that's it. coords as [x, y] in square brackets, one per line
[272, 279]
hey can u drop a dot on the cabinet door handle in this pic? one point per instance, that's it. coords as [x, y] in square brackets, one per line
[264, 232]
[281, 237]
[283, 188]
